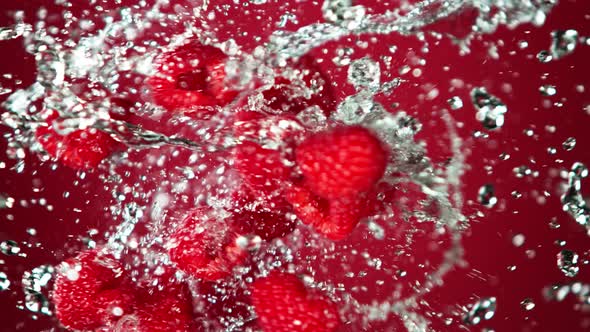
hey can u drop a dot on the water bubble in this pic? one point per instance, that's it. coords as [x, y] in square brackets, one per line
[527, 304]
[4, 281]
[569, 144]
[9, 248]
[548, 90]
[455, 103]
[567, 261]
[490, 109]
[484, 309]
[364, 73]
[313, 117]
[518, 240]
[486, 196]
[563, 42]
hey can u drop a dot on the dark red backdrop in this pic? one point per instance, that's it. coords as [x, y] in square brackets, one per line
[489, 248]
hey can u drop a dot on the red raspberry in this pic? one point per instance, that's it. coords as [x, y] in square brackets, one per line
[169, 309]
[205, 246]
[267, 216]
[341, 162]
[189, 78]
[282, 303]
[261, 169]
[88, 291]
[335, 218]
[80, 149]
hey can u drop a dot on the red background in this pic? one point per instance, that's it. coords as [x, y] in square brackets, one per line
[488, 244]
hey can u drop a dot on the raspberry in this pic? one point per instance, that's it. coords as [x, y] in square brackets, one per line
[266, 216]
[87, 289]
[261, 169]
[190, 78]
[80, 149]
[205, 246]
[282, 303]
[335, 218]
[167, 310]
[341, 162]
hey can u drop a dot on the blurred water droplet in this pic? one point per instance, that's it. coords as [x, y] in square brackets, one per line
[527, 304]
[544, 56]
[9, 248]
[569, 144]
[572, 200]
[518, 240]
[364, 73]
[486, 196]
[563, 42]
[548, 90]
[4, 281]
[490, 109]
[455, 103]
[343, 13]
[313, 117]
[567, 261]
[34, 283]
[484, 309]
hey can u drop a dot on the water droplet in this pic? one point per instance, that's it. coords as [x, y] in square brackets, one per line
[34, 282]
[569, 144]
[490, 109]
[544, 56]
[484, 309]
[518, 240]
[486, 196]
[9, 248]
[455, 103]
[572, 200]
[527, 304]
[563, 42]
[548, 90]
[4, 281]
[567, 261]
[313, 117]
[343, 13]
[364, 73]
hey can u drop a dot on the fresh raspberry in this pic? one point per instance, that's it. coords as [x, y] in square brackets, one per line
[335, 218]
[80, 149]
[169, 309]
[190, 78]
[268, 216]
[341, 162]
[282, 303]
[261, 169]
[89, 291]
[205, 246]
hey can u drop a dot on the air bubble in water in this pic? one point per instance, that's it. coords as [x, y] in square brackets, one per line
[486, 196]
[9, 248]
[484, 309]
[569, 144]
[563, 42]
[364, 73]
[4, 282]
[490, 109]
[567, 261]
